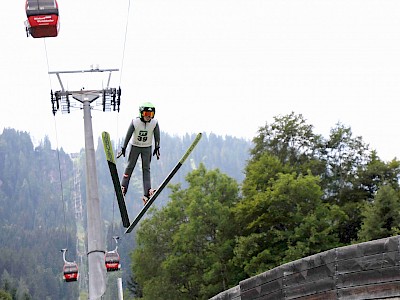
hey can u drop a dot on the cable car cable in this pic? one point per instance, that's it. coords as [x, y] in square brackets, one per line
[58, 153]
[124, 43]
[61, 185]
[70, 269]
[47, 63]
[120, 80]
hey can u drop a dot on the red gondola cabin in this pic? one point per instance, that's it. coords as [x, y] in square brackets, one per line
[43, 19]
[70, 272]
[112, 261]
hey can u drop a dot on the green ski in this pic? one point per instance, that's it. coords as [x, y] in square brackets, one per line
[163, 184]
[115, 178]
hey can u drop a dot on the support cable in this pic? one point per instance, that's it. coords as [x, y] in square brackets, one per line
[116, 144]
[61, 185]
[58, 153]
[120, 80]
[124, 44]
[47, 63]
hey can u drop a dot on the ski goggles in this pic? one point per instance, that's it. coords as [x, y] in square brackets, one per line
[148, 114]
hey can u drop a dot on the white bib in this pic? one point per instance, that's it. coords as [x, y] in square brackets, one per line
[143, 134]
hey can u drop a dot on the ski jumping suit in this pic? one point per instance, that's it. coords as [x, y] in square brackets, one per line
[140, 137]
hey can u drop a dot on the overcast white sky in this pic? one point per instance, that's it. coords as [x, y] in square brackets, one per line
[221, 66]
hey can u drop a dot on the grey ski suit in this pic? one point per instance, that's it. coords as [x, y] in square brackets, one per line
[140, 137]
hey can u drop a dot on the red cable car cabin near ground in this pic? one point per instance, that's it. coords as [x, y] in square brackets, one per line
[70, 269]
[43, 18]
[112, 261]
[111, 258]
[70, 272]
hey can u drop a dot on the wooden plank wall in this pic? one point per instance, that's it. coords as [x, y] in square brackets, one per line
[368, 270]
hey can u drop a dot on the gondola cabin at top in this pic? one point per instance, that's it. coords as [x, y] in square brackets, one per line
[43, 18]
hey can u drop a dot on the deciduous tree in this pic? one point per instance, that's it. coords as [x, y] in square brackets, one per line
[185, 249]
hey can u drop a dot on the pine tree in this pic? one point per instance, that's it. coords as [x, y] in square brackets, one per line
[382, 216]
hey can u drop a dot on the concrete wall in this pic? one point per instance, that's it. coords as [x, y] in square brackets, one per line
[368, 270]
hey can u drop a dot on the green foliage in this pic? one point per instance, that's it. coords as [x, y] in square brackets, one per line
[292, 141]
[282, 220]
[346, 157]
[286, 221]
[382, 216]
[376, 173]
[185, 248]
[316, 233]
[350, 174]
[261, 172]
[354, 175]
[5, 295]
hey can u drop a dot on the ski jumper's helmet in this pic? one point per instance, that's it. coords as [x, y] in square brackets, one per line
[147, 109]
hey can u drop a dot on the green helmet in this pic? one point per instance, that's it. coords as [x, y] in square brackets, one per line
[147, 109]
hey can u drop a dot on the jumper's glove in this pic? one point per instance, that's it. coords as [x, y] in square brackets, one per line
[157, 152]
[122, 152]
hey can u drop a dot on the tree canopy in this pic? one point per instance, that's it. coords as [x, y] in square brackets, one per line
[190, 240]
[302, 194]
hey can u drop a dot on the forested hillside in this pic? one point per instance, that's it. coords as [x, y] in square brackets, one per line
[235, 209]
[34, 225]
[37, 220]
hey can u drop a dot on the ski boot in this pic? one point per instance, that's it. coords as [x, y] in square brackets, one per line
[146, 198]
[123, 189]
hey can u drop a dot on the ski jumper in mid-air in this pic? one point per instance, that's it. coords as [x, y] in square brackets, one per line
[140, 137]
